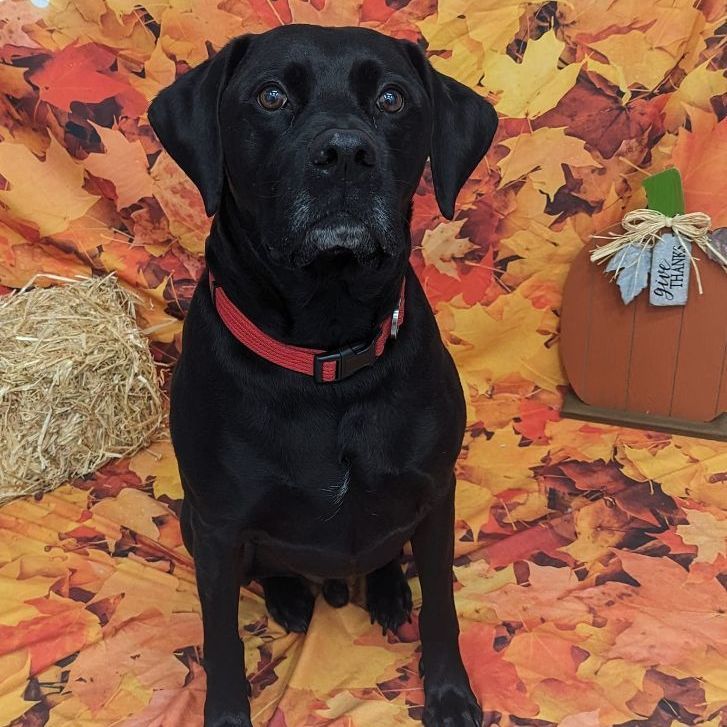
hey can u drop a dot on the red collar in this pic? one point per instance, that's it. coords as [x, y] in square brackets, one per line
[324, 366]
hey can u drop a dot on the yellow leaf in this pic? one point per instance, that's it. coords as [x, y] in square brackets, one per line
[151, 316]
[121, 8]
[558, 699]
[123, 163]
[598, 528]
[441, 245]
[144, 590]
[532, 507]
[710, 667]
[494, 409]
[479, 581]
[131, 697]
[49, 193]
[492, 24]
[534, 86]
[188, 27]
[494, 341]
[611, 213]
[529, 208]
[678, 23]
[542, 250]
[545, 368]
[71, 712]
[12, 81]
[670, 466]
[634, 57]
[345, 708]
[466, 29]
[133, 509]
[579, 18]
[443, 30]
[540, 155]
[463, 63]
[706, 532]
[499, 463]
[655, 464]
[334, 639]
[571, 439]
[159, 72]
[614, 74]
[332, 13]
[339, 705]
[158, 325]
[26, 578]
[696, 89]
[158, 461]
[472, 504]
[181, 203]
[472, 10]
[664, 24]
[14, 673]
[617, 679]
[684, 468]
[68, 22]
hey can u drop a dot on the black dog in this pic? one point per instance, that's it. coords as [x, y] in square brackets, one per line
[307, 145]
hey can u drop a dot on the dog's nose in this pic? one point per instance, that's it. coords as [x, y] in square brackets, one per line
[343, 151]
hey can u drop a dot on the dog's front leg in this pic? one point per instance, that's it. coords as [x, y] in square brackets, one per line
[217, 548]
[448, 697]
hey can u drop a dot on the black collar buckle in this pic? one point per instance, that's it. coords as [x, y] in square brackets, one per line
[348, 359]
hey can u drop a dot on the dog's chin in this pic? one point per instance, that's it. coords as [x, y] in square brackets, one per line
[339, 237]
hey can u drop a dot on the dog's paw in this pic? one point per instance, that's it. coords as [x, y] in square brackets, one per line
[290, 602]
[228, 719]
[335, 592]
[388, 597]
[451, 706]
[224, 711]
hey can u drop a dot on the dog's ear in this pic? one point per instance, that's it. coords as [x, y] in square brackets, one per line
[463, 126]
[184, 117]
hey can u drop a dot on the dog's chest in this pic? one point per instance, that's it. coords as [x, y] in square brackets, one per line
[338, 520]
[346, 480]
[336, 495]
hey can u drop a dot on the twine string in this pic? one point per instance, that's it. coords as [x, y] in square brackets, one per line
[643, 227]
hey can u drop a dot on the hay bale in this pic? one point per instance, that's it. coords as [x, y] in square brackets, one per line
[78, 385]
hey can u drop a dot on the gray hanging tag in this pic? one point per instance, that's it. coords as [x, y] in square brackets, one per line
[670, 269]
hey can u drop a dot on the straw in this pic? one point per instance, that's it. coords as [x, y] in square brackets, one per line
[78, 385]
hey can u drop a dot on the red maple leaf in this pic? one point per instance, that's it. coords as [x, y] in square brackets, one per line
[79, 73]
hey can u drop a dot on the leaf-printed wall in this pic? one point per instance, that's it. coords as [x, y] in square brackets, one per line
[591, 563]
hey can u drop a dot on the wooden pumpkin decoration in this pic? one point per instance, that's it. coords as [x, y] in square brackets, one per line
[643, 365]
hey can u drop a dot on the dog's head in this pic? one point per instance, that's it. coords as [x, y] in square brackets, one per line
[319, 136]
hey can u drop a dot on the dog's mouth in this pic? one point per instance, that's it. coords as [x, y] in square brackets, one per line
[339, 235]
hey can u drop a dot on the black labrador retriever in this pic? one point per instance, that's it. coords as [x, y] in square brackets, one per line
[316, 414]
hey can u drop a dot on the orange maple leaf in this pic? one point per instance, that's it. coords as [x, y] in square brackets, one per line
[124, 163]
[700, 155]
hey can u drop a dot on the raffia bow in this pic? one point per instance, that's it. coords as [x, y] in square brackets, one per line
[643, 227]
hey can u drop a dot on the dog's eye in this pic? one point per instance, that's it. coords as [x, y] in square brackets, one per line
[272, 98]
[391, 100]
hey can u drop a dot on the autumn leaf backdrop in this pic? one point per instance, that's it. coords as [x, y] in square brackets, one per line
[591, 564]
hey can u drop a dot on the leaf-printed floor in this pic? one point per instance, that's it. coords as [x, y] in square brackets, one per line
[591, 565]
